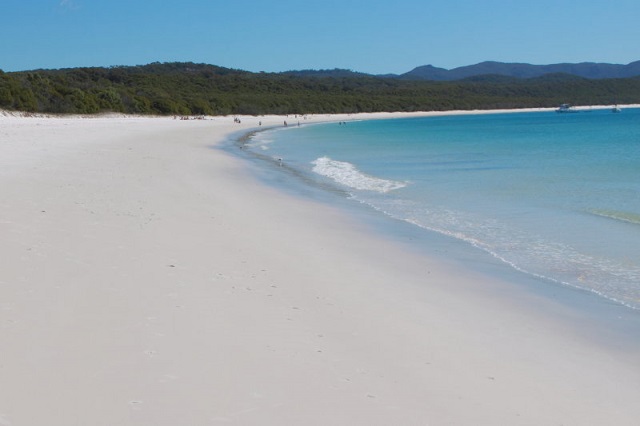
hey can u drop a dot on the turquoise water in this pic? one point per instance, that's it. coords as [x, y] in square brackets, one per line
[556, 196]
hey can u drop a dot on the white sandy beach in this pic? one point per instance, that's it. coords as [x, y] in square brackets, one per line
[148, 279]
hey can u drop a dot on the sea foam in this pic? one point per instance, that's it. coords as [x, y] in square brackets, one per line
[347, 174]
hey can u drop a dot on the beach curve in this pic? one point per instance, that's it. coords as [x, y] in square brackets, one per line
[149, 279]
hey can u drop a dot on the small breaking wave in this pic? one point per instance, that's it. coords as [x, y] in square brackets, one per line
[261, 140]
[617, 215]
[347, 174]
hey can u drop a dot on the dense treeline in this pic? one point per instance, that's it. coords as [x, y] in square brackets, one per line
[196, 89]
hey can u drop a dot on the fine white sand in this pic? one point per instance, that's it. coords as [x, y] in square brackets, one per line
[147, 279]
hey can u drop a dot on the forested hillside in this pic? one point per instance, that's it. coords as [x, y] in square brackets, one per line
[197, 89]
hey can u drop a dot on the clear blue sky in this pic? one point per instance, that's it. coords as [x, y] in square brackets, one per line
[371, 36]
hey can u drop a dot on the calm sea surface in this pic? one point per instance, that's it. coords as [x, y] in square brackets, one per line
[552, 195]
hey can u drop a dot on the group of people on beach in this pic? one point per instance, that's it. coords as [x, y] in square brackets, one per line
[186, 117]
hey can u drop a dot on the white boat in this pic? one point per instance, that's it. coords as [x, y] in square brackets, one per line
[616, 109]
[565, 108]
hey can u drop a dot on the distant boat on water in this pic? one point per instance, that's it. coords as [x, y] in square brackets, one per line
[564, 108]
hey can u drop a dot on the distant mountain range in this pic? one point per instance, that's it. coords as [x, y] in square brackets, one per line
[493, 70]
[589, 70]
[488, 71]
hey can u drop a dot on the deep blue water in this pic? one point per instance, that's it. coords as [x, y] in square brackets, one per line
[552, 195]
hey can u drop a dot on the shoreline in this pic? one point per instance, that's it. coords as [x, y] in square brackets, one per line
[360, 115]
[239, 141]
[153, 280]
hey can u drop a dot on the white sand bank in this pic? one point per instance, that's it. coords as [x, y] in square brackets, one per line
[147, 279]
